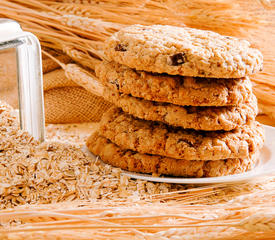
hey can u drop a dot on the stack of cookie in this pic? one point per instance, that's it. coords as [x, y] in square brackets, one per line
[184, 103]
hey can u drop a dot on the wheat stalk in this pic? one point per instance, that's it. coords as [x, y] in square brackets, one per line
[174, 221]
[259, 222]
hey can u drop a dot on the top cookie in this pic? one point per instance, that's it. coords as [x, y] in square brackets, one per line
[183, 51]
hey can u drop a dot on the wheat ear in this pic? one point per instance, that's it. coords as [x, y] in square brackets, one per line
[84, 78]
[96, 26]
[80, 57]
[80, 76]
[259, 222]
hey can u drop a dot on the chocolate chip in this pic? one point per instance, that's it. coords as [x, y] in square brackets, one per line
[115, 82]
[178, 59]
[120, 47]
[190, 144]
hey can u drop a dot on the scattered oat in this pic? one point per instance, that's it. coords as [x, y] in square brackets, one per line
[58, 170]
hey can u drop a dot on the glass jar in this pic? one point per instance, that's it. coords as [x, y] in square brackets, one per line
[21, 76]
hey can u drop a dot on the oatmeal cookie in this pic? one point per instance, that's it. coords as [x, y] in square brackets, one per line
[157, 138]
[198, 118]
[178, 90]
[129, 160]
[183, 51]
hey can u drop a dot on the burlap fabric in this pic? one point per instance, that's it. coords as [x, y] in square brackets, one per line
[73, 104]
[56, 79]
[65, 101]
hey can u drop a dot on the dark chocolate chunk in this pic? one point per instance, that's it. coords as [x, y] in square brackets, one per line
[115, 82]
[120, 47]
[178, 59]
[190, 144]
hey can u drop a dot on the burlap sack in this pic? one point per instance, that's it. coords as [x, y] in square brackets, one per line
[56, 79]
[72, 105]
[67, 102]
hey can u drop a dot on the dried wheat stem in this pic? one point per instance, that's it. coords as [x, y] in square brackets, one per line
[57, 61]
[83, 227]
[114, 226]
[38, 4]
[84, 79]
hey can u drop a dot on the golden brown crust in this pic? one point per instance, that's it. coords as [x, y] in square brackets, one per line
[174, 89]
[144, 163]
[156, 138]
[198, 118]
[183, 51]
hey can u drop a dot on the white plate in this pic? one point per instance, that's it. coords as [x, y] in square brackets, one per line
[265, 166]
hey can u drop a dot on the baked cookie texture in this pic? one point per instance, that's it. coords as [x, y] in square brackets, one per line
[183, 102]
[183, 51]
[129, 160]
[157, 138]
[198, 118]
[178, 90]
